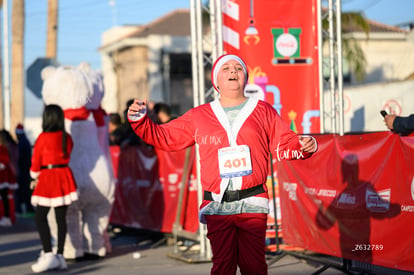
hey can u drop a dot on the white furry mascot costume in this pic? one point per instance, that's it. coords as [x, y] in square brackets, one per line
[87, 219]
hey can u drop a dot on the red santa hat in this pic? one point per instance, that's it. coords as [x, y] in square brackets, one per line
[220, 61]
[19, 129]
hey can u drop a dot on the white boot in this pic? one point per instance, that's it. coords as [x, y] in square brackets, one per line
[5, 221]
[62, 262]
[45, 262]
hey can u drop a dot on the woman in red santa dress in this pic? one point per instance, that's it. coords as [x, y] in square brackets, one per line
[235, 136]
[7, 180]
[54, 185]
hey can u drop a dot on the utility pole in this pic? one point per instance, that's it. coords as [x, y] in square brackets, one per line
[17, 68]
[1, 76]
[6, 67]
[52, 27]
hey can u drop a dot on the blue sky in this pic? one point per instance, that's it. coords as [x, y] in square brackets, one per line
[391, 12]
[82, 22]
[80, 27]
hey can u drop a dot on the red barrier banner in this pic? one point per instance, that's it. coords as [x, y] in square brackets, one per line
[279, 42]
[148, 186]
[114, 151]
[147, 189]
[352, 199]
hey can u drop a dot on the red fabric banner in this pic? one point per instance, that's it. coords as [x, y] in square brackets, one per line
[279, 42]
[352, 199]
[148, 186]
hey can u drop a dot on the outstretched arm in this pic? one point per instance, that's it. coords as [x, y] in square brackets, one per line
[400, 125]
[172, 136]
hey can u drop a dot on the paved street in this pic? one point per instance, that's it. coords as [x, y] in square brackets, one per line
[20, 246]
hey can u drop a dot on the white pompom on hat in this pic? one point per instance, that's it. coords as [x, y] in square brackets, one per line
[220, 61]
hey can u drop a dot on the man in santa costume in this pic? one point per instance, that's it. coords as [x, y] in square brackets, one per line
[235, 136]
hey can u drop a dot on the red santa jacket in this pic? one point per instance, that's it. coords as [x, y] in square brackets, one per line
[258, 126]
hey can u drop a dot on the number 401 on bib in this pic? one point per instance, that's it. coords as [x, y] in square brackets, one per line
[234, 161]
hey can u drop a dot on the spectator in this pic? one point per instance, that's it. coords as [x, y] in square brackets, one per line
[400, 125]
[115, 121]
[13, 149]
[7, 180]
[23, 193]
[162, 113]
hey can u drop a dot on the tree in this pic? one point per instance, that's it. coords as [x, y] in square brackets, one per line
[351, 51]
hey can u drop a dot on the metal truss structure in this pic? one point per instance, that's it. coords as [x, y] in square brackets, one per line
[333, 86]
[208, 45]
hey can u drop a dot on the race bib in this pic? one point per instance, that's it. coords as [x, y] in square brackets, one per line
[234, 161]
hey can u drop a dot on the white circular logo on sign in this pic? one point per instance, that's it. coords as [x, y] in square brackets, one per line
[286, 44]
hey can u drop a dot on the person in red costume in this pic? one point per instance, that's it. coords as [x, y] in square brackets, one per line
[54, 185]
[235, 136]
[7, 180]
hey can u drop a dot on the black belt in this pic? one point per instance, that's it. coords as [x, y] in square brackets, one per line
[237, 195]
[51, 166]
